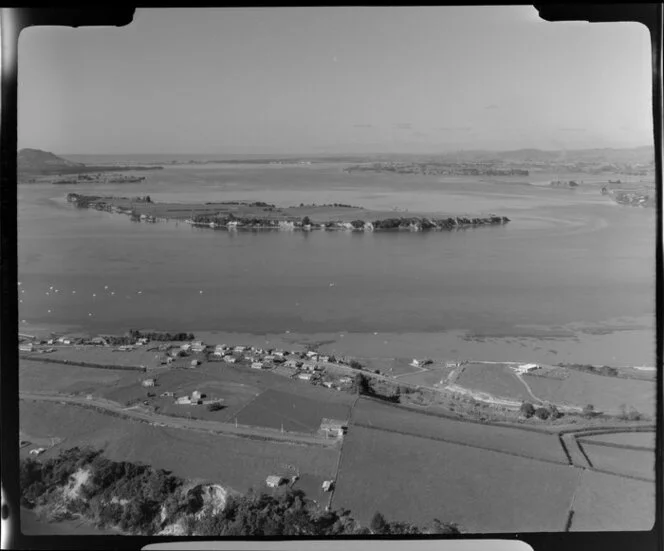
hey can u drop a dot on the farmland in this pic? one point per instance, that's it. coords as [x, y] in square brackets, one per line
[637, 439]
[430, 378]
[231, 462]
[106, 356]
[66, 378]
[495, 379]
[607, 502]
[418, 479]
[274, 408]
[605, 393]
[542, 446]
[639, 463]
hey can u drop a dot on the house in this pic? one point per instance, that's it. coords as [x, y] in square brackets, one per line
[274, 481]
[186, 347]
[416, 363]
[218, 353]
[257, 365]
[50, 341]
[195, 363]
[99, 341]
[311, 354]
[328, 485]
[279, 353]
[309, 366]
[167, 394]
[292, 363]
[328, 384]
[37, 451]
[345, 380]
[196, 395]
[148, 382]
[305, 376]
[229, 359]
[142, 340]
[269, 358]
[25, 347]
[324, 358]
[239, 349]
[183, 400]
[333, 427]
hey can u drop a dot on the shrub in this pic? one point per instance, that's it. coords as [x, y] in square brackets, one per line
[527, 409]
[589, 411]
[215, 406]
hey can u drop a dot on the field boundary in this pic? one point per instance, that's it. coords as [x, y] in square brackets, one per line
[455, 442]
[341, 451]
[589, 442]
[83, 364]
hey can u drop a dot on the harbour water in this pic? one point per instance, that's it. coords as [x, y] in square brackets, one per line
[572, 276]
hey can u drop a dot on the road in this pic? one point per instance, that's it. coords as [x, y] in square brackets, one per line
[201, 425]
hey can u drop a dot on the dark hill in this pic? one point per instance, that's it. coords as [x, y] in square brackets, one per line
[36, 160]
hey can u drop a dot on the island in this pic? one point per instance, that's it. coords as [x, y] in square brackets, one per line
[235, 215]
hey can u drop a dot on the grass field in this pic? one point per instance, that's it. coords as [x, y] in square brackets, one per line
[390, 366]
[275, 408]
[497, 380]
[107, 355]
[65, 378]
[417, 479]
[606, 502]
[605, 393]
[512, 441]
[232, 462]
[639, 463]
[430, 378]
[640, 439]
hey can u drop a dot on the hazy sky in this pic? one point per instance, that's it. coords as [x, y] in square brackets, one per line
[334, 79]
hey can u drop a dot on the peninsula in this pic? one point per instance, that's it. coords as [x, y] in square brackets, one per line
[260, 215]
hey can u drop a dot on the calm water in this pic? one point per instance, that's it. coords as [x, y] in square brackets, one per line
[568, 259]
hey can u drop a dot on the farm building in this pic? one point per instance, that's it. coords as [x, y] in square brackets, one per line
[148, 382]
[525, 368]
[274, 481]
[333, 427]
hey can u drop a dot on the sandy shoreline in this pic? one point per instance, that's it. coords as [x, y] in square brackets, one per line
[618, 348]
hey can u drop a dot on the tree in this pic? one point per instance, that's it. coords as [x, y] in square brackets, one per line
[542, 413]
[355, 364]
[438, 527]
[527, 409]
[623, 412]
[306, 221]
[378, 524]
[215, 406]
[589, 411]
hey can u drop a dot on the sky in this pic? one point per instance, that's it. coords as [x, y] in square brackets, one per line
[334, 80]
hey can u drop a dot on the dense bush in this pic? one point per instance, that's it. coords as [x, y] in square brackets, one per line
[134, 497]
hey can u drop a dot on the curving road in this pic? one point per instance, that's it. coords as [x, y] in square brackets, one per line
[201, 425]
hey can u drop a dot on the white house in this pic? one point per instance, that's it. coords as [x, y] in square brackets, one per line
[183, 400]
[416, 363]
[257, 365]
[148, 382]
[292, 363]
[305, 376]
[239, 349]
[229, 359]
[196, 395]
[195, 363]
[186, 346]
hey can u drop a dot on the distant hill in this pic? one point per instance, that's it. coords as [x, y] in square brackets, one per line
[35, 162]
[38, 161]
